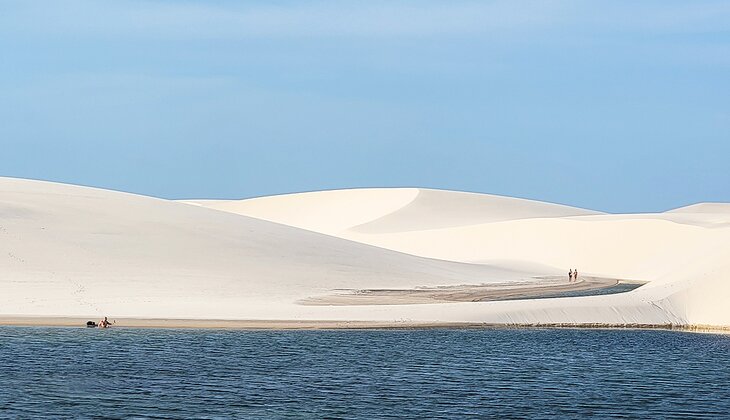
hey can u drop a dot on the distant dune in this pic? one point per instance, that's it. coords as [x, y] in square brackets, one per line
[387, 210]
[704, 208]
[69, 251]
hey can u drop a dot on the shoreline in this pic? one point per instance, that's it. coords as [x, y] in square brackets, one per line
[282, 325]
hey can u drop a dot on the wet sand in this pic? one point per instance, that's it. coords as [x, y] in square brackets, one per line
[539, 288]
[157, 323]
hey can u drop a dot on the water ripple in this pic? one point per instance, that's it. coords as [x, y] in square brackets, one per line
[137, 373]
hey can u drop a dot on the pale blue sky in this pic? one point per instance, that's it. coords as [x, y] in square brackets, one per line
[616, 106]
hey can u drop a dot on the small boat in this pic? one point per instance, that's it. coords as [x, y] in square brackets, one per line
[91, 324]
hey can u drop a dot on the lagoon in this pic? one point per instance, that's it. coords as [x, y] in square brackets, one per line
[420, 373]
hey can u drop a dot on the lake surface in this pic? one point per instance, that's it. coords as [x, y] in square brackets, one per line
[438, 373]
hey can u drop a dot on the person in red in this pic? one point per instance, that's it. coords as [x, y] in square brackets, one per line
[105, 323]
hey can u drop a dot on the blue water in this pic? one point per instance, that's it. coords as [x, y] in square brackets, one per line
[440, 373]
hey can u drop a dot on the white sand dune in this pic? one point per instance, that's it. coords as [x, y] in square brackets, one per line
[68, 250]
[78, 251]
[387, 210]
[670, 250]
[485, 229]
[323, 211]
[705, 208]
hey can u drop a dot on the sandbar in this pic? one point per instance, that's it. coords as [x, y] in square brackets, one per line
[548, 286]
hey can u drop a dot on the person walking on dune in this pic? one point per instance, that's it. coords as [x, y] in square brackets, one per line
[575, 274]
[570, 275]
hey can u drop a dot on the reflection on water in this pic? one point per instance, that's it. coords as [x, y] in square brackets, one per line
[122, 373]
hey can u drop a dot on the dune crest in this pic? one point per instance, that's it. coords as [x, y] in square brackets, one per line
[705, 208]
[329, 212]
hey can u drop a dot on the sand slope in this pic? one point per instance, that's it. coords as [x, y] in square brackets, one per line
[77, 251]
[323, 211]
[681, 252]
[387, 210]
[67, 250]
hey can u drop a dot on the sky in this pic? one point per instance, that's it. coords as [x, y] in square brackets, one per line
[620, 106]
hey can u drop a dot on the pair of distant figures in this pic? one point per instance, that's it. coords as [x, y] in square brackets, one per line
[573, 274]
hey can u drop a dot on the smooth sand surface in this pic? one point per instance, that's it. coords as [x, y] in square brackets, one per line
[683, 253]
[386, 210]
[78, 252]
[73, 250]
